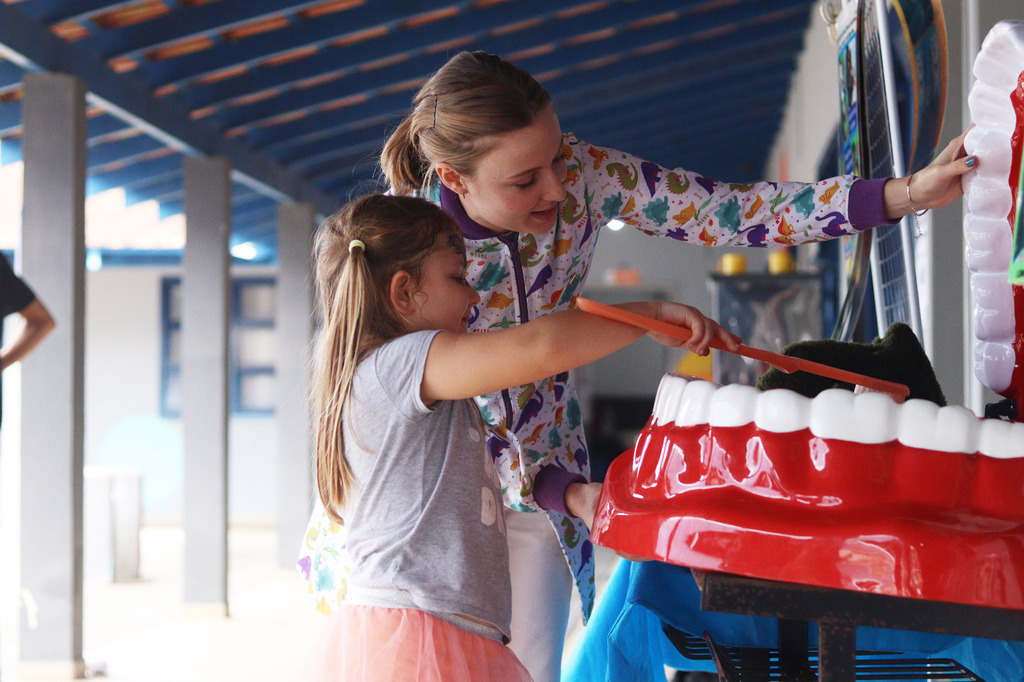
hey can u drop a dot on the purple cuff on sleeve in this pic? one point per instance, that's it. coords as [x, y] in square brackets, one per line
[867, 205]
[549, 487]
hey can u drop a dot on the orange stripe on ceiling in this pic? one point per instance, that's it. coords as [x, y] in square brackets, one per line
[256, 28]
[532, 52]
[429, 17]
[663, 18]
[70, 31]
[178, 49]
[598, 63]
[293, 56]
[344, 102]
[401, 87]
[360, 36]
[255, 97]
[582, 9]
[131, 14]
[387, 61]
[123, 64]
[450, 45]
[329, 7]
[656, 47]
[487, 3]
[221, 75]
[512, 28]
[318, 80]
[590, 37]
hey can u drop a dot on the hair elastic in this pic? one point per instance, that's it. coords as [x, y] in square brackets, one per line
[356, 244]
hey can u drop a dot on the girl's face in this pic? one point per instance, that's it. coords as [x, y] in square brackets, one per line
[517, 186]
[443, 298]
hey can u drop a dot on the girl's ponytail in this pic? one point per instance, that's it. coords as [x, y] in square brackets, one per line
[358, 250]
[344, 312]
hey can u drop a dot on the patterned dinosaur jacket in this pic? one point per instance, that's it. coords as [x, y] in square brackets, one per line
[523, 276]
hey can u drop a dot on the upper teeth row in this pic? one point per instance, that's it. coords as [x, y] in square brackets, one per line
[868, 418]
[987, 192]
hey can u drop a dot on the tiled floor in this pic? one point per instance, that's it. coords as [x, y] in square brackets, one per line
[136, 632]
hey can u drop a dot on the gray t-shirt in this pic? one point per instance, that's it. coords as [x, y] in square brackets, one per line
[425, 526]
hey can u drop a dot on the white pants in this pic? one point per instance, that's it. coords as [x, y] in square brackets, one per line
[541, 589]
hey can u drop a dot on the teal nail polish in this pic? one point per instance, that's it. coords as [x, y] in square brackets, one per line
[971, 161]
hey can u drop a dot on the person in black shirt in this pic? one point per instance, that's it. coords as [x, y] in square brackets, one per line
[17, 297]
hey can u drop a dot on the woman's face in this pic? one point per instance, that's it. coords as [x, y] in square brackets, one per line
[517, 186]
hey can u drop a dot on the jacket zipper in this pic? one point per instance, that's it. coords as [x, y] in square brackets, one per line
[511, 240]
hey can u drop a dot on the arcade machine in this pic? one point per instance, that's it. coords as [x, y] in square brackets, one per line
[852, 509]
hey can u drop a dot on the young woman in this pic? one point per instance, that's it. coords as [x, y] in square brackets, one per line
[484, 141]
[401, 456]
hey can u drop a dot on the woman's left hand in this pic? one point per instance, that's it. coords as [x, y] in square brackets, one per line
[935, 185]
[581, 501]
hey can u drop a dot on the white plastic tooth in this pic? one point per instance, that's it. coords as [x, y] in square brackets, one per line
[1002, 48]
[993, 296]
[990, 197]
[782, 411]
[868, 418]
[1002, 440]
[992, 325]
[989, 241]
[695, 404]
[993, 364]
[923, 424]
[733, 405]
[990, 99]
[830, 415]
[988, 139]
[666, 400]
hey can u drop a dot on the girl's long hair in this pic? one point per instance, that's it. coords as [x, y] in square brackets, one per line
[397, 233]
[456, 113]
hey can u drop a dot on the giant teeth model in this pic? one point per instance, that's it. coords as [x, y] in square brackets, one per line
[856, 491]
[989, 195]
[842, 490]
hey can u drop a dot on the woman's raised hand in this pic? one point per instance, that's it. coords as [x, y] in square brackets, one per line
[934, 186]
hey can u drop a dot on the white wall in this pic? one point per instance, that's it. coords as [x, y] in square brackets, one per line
[812, 109]
[123, 426]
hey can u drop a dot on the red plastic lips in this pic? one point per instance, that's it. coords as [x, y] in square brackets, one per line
[792, 507]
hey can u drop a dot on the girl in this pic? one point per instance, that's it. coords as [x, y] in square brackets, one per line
[484, 141]
[400, 451]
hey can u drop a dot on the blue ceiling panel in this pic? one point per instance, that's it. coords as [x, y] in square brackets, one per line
[10, 76]
[300, 95]
[57, 11]
[254, 50]
[10, 118]
[130, 174]
[213, 18]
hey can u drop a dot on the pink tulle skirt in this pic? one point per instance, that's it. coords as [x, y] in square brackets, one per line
[374, 644]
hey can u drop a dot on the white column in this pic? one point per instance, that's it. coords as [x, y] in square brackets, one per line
[944, 283]
[53, 259]
[294, 340]
[204, 383]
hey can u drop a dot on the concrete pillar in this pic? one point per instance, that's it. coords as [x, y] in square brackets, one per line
[294, 341]
[944, 274]
[53, 263]
[204, 383]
